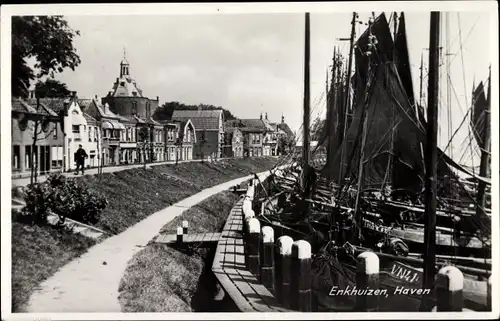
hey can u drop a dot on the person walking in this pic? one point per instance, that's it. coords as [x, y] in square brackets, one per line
[80, 156]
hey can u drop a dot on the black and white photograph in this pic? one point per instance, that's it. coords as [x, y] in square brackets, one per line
[329, 160]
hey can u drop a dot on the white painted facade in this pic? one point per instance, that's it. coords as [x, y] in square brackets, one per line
[79, 132]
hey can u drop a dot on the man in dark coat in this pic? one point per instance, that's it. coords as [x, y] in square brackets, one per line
[80, 156]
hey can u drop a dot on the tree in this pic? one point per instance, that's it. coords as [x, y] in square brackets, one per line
[144, 140]
[178, 145]
[40, 124]
[49, 40]
[202, 143]
[51, 88]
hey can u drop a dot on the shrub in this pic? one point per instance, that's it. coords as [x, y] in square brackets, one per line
[63, 197]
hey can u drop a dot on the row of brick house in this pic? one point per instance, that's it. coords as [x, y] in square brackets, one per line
[254, 137]
[109, 139]
[120, 129]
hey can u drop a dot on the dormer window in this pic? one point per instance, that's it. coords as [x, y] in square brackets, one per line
[134, 93]
[75, 112]
[122, 84]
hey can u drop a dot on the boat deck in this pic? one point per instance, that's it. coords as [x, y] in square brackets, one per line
[230, 270]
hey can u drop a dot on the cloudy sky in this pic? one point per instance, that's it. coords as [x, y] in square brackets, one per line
[250, 63]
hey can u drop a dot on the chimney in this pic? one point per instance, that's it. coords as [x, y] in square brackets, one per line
[157, 98]
[31, 93]
[282, 119]
[96, 97]
[73, 94]
[260, 116]
[266, 116]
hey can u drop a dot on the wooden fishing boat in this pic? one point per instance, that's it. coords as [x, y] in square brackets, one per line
[333, 209]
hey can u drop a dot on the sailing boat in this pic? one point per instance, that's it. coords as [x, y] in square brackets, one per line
[385, 133]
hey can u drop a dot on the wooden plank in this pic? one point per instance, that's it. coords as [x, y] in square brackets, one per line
[261, 290]
[242, 304]
[248, 292]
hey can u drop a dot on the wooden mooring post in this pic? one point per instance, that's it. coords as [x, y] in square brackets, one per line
[449, 290]
[367, 277]
[180, 236]
[300, 283]
[488, 296]
[283, 266]
[267, 258]
[252, 254]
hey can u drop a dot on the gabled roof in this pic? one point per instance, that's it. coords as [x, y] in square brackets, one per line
[197, 113]
[22, 106]
[269, 125]
[284, 127]
[84, 103]
[201, 119]
[90, 119]
[58, 105]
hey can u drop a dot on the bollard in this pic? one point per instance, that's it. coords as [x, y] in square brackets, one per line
[488, 295]
[252, 255]
[449, 289]
[247, 206]
[185, 226]
[267, 258]
[251, 192]
[282, 265]
[367, 277]
[300, 283]
[180, 236]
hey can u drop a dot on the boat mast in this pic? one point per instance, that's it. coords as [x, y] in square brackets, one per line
[431, 159]
[349, 66]
[305, 148]
[363, 136]
[483, 169]
[421, 77]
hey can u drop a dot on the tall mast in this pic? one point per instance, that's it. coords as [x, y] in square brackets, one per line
[349, 66]
[305, 149]
[363, 136]
[395, 16]
[448, 82]
[421, 77]
[483, 169]
[431, 159]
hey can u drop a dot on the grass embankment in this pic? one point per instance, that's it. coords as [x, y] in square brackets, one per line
[162, 279]
[38, 252]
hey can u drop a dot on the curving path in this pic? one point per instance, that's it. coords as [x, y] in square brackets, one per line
[90, 283]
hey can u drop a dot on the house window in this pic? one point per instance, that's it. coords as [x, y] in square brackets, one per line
[16, 153]
[96, 135]
[57, 156]
[31, 156]
[134, 108]
[54, 133]
[90, 134]
[76, 132]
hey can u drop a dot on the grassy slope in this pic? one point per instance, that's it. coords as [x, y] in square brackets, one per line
[38, 252]
[136, 194]
[162, 279]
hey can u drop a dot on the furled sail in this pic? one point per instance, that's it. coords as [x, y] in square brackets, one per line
[479, 108]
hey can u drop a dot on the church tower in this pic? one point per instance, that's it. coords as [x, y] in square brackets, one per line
[124, 66]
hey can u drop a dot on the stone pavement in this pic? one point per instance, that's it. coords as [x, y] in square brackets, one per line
[90, 283]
